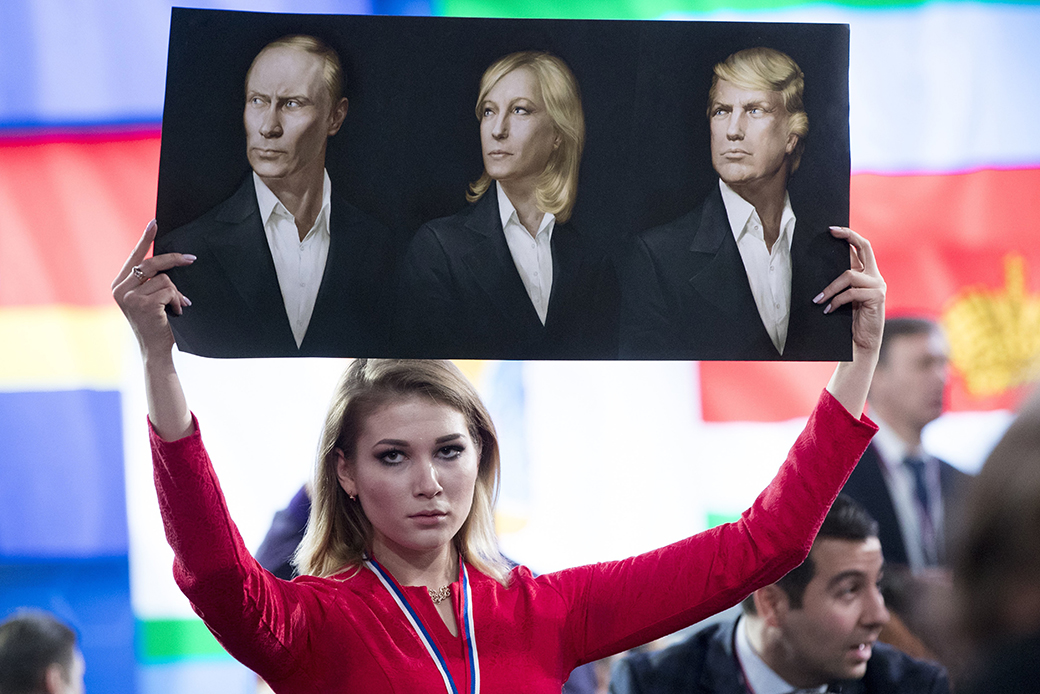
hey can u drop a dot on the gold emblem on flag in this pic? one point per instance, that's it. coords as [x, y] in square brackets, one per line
[994, 334]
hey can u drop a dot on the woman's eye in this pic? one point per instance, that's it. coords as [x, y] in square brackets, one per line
[487, 111]
[450, 452]
[520, 110]
[391, 457]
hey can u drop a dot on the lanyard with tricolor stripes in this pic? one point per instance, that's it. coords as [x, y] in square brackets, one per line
[413, 618]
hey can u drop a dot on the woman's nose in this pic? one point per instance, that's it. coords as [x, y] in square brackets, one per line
[500, 128]
[427, 483]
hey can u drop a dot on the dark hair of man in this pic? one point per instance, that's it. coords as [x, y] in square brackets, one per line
[847, 520]
[904, 326]
[30, 642]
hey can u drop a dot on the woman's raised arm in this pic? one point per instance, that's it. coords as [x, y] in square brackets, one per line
[145, 294]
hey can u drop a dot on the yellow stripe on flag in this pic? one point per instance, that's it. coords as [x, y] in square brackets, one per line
[61, 348]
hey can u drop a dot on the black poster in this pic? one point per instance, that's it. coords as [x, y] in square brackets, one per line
[618, 243]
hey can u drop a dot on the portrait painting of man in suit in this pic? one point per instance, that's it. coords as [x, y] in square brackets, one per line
[285, 266]
[736, 278]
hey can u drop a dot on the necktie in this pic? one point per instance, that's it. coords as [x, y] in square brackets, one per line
[928, 539]
[916, 466]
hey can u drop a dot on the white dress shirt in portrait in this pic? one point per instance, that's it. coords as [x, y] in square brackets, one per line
[922, 534]
[531, 255]
[299, 265]
[768, 272]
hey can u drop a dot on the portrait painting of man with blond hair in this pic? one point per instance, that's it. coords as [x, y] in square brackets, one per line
[736, 278]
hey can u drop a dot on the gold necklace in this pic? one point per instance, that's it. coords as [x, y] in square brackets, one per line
[440, 595]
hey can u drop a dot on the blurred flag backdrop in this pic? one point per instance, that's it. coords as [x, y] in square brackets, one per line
[602, 460]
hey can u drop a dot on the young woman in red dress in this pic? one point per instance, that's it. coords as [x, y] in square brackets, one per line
[403, 587]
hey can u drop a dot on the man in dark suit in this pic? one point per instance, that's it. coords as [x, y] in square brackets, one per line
[284, 266]
[737, 277]
[815, 629]
[913, 495]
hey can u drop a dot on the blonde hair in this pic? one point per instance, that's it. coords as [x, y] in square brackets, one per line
[339, 533]
[332, 69]
[557, 187]
[768, 70]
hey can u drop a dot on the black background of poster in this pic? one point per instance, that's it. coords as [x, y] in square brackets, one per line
[410, 144]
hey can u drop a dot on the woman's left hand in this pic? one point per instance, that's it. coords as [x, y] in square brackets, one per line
[862, 286]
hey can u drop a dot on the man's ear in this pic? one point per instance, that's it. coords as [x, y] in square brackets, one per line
[345, 473]
[339, 113]
[792, 143]
[54, 679]
[772, 604]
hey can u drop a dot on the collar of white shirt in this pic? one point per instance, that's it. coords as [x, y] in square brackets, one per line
[507, 213]
[269, 203]
[740, 212]
[891, 448]
[768, 270]
[298, 264]
[761, 678]
[532, 257]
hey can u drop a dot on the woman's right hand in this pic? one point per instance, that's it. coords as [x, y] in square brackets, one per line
[145, 293]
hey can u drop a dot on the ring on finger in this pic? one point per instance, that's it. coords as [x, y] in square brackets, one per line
[139, 273]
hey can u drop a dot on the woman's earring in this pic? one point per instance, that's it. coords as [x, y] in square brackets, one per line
[353, 497]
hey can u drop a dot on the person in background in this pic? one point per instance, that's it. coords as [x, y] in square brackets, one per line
[39, 655]
[815, 629]
[912, 494]
[997, 564]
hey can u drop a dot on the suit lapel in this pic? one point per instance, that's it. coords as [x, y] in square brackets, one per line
[244, 255]
[721, 674]
[491, 265]
[567, 273]
[719, 276]
[338, 266]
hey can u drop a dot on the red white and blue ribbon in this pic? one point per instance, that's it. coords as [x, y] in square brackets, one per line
[427, 640]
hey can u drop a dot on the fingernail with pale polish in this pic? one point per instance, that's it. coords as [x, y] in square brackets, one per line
[828, 309]
[818, 298]
[185, 301]
[189, 256]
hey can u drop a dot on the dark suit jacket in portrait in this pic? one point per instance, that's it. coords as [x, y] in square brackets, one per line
[237, 308]
[462, 297]
[705, 663]
[685, 293]
[867, 485]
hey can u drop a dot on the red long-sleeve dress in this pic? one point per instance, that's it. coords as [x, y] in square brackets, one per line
[346, 634]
